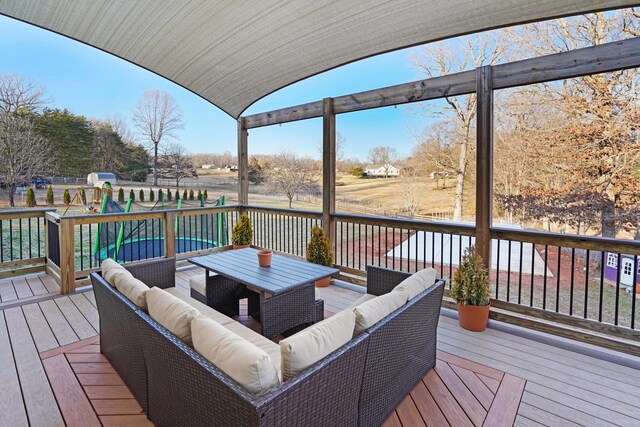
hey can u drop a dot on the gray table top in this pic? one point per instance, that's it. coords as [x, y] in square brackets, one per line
[283, 274]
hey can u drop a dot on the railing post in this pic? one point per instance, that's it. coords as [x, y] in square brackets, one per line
[67, 256]
[169, 234]
[243, 163]
[329, 170]
[484, 162]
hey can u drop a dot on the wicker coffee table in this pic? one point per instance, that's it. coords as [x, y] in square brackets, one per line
[283, 294]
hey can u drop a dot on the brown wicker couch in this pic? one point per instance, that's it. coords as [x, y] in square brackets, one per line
[358, 384]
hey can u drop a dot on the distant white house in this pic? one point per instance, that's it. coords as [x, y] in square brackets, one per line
[95, 178]
[385, 170]
[208, 167]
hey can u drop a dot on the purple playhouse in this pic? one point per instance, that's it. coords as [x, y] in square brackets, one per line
[625, 269]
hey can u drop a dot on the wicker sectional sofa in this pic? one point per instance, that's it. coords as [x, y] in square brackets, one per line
[358, 384]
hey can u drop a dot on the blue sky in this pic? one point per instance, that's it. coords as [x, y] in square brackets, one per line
[92, 83]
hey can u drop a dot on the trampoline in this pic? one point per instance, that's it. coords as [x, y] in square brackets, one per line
[138, 240]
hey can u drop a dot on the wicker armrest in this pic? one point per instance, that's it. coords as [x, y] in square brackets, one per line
[160, 272]
[382, 280]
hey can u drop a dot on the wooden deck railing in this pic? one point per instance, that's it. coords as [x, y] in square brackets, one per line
[587, 282]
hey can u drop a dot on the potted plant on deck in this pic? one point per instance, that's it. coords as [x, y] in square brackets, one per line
[319, 252]
[470, 289]
[242, 234]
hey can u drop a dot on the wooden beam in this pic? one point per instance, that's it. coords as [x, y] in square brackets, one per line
[484, 167]
[243, 163]
[591, 60]
[67, 256]
[612, 56]
[329, 171]
[170, 234]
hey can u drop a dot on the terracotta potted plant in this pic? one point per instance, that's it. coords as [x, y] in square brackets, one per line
[264, 258]
[470, 289]
[319, 252]
[242, 234]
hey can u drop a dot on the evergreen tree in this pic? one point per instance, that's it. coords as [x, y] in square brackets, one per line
[191, 195]
[141, 195]
[66, 197]
[184, 194]
[31, 198]
[177, 194]
[50, 196]
[132, 196]
[169, 195]
[152, 195]
[83, 196]
[199, 194]
[121, 195]
[160, 195]
[206, 196]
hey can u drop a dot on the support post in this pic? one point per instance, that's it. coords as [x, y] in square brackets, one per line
[243, 163]
[484, 162]
[67, 256]
[329, 170]
[169, 234]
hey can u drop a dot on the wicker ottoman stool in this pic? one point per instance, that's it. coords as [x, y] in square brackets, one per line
[218, 292]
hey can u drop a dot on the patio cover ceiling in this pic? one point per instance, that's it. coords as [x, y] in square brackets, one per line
[234, 52]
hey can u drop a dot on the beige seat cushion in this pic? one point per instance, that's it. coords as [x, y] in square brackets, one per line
[198, 284]
[246, 363]
[202, 308]
[269, 347]
[172, 313]
[308, 346]
[363, 298]
[371, 312]
[417, 283]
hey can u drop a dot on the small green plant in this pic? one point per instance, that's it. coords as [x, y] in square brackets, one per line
[357, 171]
[83, 196]
[206, 196]
[471, 281]
[152, 195]
[160, 195]
[199, 194]
[141, 195]
[169, 195]
[177, 194]
[31, 197]
[121, 195]
[191, 195]
[50, 196]
[242, 233]
[319, 248]
[66, 197]
[184, 194]
[132, 196]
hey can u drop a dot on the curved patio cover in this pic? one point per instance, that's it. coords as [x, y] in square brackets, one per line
[234, 52]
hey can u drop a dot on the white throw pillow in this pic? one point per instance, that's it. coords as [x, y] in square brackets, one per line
[111, 270]
[248, 365]
[172, 313]
[308, 346]
[371, 312]
[417, 283]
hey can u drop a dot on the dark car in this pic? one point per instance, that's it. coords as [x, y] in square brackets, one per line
[39, 182]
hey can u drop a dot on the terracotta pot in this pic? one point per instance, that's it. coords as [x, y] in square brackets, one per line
[638, 288]
[323, 283]
[473, 317]
[240, 246]
[264, 258]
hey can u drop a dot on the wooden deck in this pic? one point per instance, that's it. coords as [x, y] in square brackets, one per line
[19, 289]
[490, 378]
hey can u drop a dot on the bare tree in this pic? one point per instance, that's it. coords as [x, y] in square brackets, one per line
[450, 57]
[383, 156]
[119, 125]
[157, 116]
[20, 93]
[24, 152]
[176, 163]
[409, 194]
[291, 175]
[437, 152]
